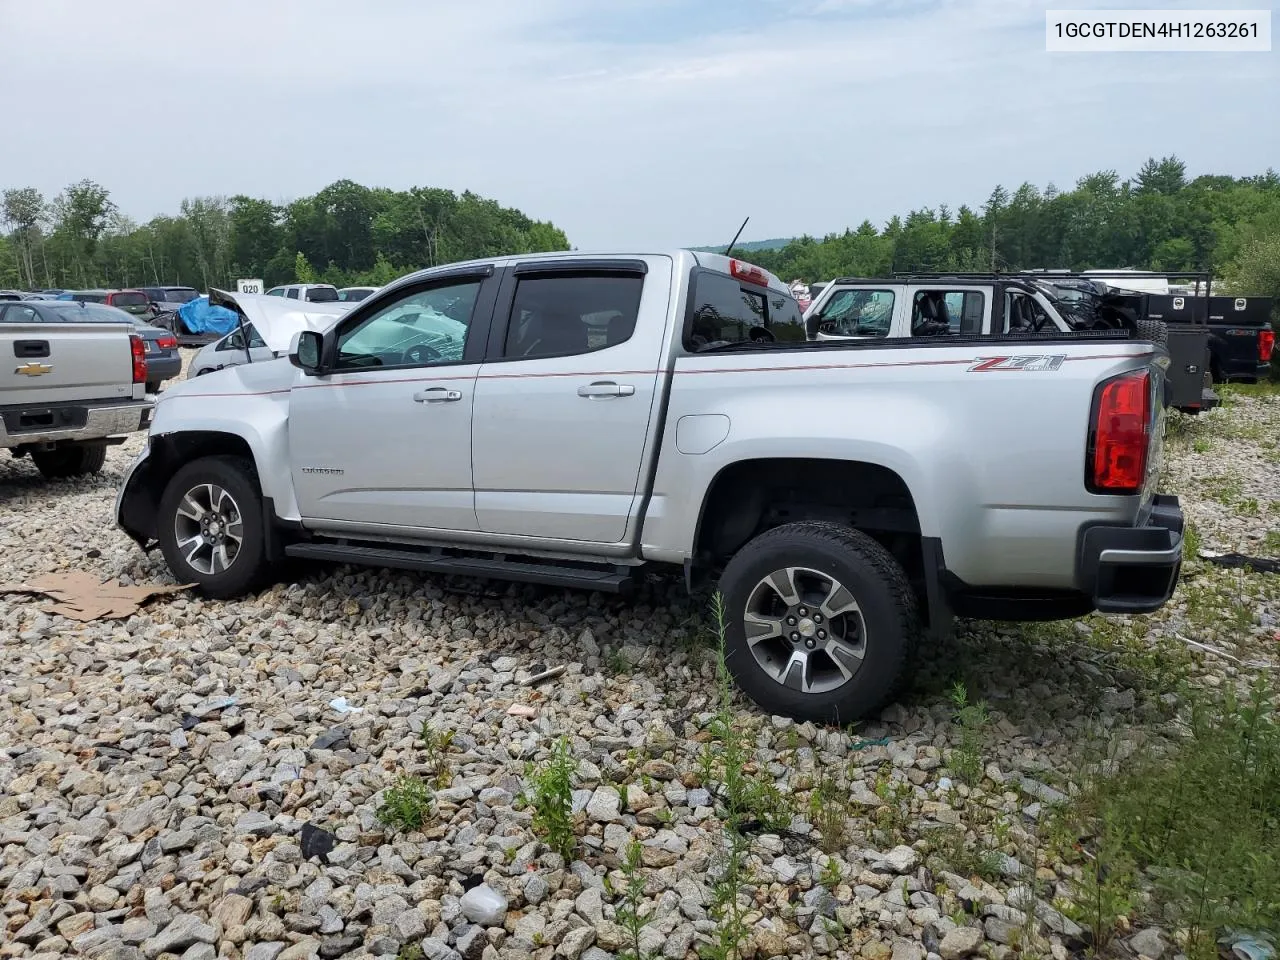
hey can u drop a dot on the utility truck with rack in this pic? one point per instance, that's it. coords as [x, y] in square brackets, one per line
[578, 420]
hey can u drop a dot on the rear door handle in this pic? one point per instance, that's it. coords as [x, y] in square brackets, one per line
[606, 388]
[437, 395]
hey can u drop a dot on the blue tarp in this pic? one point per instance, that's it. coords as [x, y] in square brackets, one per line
[199, 317]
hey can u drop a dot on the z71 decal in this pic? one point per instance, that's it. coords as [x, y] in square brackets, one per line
[987, 364]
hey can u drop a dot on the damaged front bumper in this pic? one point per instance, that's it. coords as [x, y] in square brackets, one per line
[135, 508]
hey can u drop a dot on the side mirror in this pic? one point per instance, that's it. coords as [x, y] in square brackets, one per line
[306, 351]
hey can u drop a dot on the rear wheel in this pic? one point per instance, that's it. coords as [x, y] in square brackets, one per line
[210, 526]
[820, 622]
[73, 461]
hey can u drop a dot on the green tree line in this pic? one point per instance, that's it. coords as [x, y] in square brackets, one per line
[346, 234]
[1158, 220]
[351, 234]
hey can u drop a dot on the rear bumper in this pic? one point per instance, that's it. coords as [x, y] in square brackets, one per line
[73, 422]
[1133, 569]
[163, 368]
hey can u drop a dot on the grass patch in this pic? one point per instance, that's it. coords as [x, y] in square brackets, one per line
[407, 804]
[1194, 831]
[1190, 541]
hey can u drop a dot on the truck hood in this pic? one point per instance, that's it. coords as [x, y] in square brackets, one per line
[277, 319]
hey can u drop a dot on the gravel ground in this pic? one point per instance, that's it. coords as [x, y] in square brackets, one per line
[157, 773]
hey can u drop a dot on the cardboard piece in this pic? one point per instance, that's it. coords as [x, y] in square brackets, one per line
[81, 596]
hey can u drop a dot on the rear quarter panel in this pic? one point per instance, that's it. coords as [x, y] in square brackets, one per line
[994, 458]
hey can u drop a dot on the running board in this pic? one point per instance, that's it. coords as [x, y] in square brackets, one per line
[427, 560]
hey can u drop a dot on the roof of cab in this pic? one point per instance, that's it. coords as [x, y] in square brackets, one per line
[683, 258]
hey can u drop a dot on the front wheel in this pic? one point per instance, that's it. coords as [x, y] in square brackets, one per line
[210, 526]
[820, 622]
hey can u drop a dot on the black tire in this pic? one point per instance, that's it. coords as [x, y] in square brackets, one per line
[74, 461]
[889, 618]
[153, 387]
[1157, 331]
[238, 478]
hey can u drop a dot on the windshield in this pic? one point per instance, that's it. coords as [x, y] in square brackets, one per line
[129, 299]
[354, 294]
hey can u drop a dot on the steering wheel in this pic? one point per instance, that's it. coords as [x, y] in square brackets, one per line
[420, 353]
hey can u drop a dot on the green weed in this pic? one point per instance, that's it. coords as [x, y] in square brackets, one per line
[972, 719]
[552, 800]
[407, 804]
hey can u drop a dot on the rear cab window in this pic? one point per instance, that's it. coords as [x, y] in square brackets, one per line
[322, 295]
[726, 310]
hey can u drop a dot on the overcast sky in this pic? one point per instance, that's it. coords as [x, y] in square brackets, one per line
[626, 122]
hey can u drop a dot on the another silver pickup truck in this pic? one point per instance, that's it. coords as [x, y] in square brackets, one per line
[573, 420]
[69, 390]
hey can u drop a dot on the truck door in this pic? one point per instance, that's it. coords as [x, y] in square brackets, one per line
[384, 438]
[566, 396]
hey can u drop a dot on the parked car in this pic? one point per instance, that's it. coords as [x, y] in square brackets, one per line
[169, 299]
[12, 295]
[313, 292]
[160, 346]
[71, 389]
[606, 415]
[355, 294]
[267, 328]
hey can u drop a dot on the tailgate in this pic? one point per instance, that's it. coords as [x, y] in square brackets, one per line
[64, 362]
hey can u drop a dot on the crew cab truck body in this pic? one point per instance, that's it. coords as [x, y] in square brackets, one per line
[68, 390]
[572, 419]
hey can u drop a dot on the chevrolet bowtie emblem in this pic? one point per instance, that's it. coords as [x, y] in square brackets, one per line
[33, 369]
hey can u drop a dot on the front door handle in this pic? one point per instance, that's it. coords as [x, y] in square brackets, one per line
[437, 395]
[606, 388]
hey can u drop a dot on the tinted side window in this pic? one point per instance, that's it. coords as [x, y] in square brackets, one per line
[855, 313]
[565, 315]
[725, 312]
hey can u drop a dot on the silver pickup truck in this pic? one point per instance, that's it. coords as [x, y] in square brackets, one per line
[574, 420]
[69, 390]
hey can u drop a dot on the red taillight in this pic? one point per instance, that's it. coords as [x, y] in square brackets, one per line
[1266, 344]
[139, 351]
[1121, 434]
[748, 273]
[167, 343]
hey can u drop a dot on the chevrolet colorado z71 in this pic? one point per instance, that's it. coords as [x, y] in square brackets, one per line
[570, 419]
[68, 389]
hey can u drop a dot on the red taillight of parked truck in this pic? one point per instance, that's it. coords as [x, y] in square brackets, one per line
[167, 343]
[1120, 435]
[1266, 345]
[139, 352]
